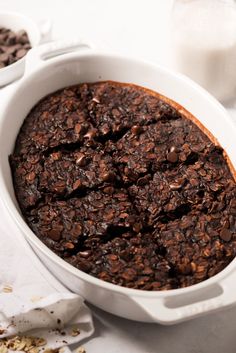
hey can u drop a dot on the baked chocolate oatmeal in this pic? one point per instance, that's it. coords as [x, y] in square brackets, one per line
[126, 186]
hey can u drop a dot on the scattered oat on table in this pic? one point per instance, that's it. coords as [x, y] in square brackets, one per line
[75, 332]
[22, 343]
[7, 289]
[56, 350]
[81, 350]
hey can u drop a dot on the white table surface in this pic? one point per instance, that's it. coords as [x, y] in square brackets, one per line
[140, 28]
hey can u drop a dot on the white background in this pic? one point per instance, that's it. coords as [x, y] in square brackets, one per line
[140, 28]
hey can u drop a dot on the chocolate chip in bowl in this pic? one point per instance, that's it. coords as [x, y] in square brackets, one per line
[18, 34]
[125, 187]
[14, 45]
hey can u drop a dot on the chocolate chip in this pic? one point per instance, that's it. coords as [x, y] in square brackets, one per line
[27, 46]
[129, 274]
[78, 128]
[96, 100]
[54, 234]
[104, 129]
[11, 59]
[85, 254]
[112, 257]
[173, 149]
[31, 176]
[4, 58]
[107, 176]
[176, 185]
[2, 39]
[22, 37]
[10, 50]
[20, 53]
[11, 39]
[77, 184]
[69, 245]
[59, 186]
[226, 223]
[90, 134]
[225, 234]
[81, 160]
[21, 33]
[136, 130]
[172, 157]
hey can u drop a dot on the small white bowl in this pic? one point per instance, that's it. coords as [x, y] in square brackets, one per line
[37, 34]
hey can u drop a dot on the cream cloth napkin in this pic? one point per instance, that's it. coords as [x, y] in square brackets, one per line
[32, 301]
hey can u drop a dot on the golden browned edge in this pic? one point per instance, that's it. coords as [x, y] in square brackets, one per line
[186, 114]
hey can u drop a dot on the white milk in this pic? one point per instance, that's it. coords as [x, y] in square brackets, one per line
[205, 44]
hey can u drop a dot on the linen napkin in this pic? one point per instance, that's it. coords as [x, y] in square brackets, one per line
[32, 301]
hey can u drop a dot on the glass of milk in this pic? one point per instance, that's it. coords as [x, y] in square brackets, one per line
[204, 33]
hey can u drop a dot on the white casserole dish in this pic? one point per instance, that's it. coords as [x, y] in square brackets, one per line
[37, 32]
[47, 71]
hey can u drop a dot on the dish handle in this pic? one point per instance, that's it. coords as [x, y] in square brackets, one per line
[45, 28]
[163, 311]
[37, 56]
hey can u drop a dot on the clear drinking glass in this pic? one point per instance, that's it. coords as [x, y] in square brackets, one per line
[204, 33]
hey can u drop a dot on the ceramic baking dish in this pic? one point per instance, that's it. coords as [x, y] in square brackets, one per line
[53, 66]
